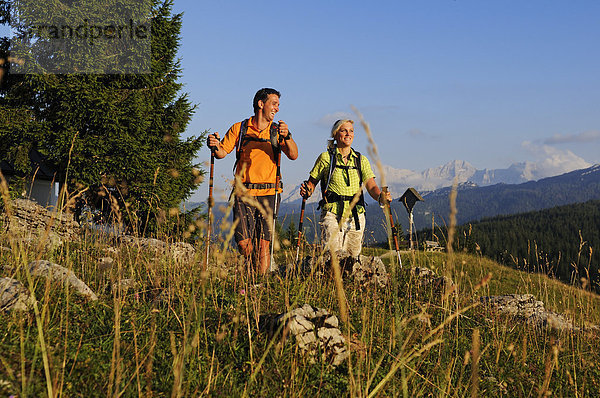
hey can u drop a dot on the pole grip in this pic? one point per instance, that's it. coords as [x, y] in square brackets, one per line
[384, 190]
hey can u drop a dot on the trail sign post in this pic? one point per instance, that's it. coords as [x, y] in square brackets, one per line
[409, 198]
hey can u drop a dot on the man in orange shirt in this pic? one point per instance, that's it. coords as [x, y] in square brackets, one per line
[257, 170]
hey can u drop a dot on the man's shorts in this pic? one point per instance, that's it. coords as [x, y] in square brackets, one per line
[253, 224]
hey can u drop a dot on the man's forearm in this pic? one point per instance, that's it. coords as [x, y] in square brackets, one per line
[290, 148]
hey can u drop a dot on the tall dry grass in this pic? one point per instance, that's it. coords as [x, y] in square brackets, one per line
[182, 331]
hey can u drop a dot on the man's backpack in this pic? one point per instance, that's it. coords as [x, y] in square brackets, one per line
[243, 140]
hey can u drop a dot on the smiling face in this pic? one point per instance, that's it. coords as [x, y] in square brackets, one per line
[344, 135]
[269, 107]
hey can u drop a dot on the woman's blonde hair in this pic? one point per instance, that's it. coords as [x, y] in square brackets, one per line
[336, 127]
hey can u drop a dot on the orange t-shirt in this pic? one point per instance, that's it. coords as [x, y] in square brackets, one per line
[257, 163]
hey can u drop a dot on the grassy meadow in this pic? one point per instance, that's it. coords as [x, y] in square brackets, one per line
[165, 327]
[174, 330]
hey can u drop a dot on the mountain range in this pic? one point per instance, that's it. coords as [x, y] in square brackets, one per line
[473, 202]
[442, 176]
[481, 194]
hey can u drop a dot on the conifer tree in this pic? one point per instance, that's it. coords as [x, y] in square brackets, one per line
[115, 138]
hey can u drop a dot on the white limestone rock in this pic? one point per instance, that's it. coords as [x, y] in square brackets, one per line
[14, 296]
[57, 273]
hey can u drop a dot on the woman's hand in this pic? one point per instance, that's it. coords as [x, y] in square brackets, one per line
[384, 198]
[306, 189]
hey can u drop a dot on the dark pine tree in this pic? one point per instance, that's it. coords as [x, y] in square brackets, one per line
[115, 138]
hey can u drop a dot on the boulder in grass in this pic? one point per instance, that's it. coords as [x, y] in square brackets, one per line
[181, 252]
[526, 308]
[33, 224]
[316, 331]
[123, 286]
[105, 263]
[14, 296]
[427, 277]
[144, 243]
[369, 270]
[364, 270]
[60, 274]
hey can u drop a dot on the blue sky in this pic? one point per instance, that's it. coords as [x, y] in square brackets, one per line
[490, 82]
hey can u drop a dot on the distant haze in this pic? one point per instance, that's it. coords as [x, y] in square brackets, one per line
[442, 176]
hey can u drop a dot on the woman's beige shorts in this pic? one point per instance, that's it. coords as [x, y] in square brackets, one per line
[348, 238]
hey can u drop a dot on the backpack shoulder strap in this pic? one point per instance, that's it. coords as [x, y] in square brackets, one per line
[359, 167]
[361, 201]
[274, 138]
[332, 164]
[240, 142]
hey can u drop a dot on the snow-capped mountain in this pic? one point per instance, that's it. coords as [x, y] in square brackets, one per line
[291, 196]
[443, 176]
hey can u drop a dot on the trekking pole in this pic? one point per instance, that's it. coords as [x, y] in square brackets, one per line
[210, 204]
[300, 228]
[275, 207]
[392, 226]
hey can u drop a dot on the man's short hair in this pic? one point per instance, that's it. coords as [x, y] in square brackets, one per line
[263, 95]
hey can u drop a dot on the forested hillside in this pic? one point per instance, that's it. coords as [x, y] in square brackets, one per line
[563, 241]
[475, 203]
